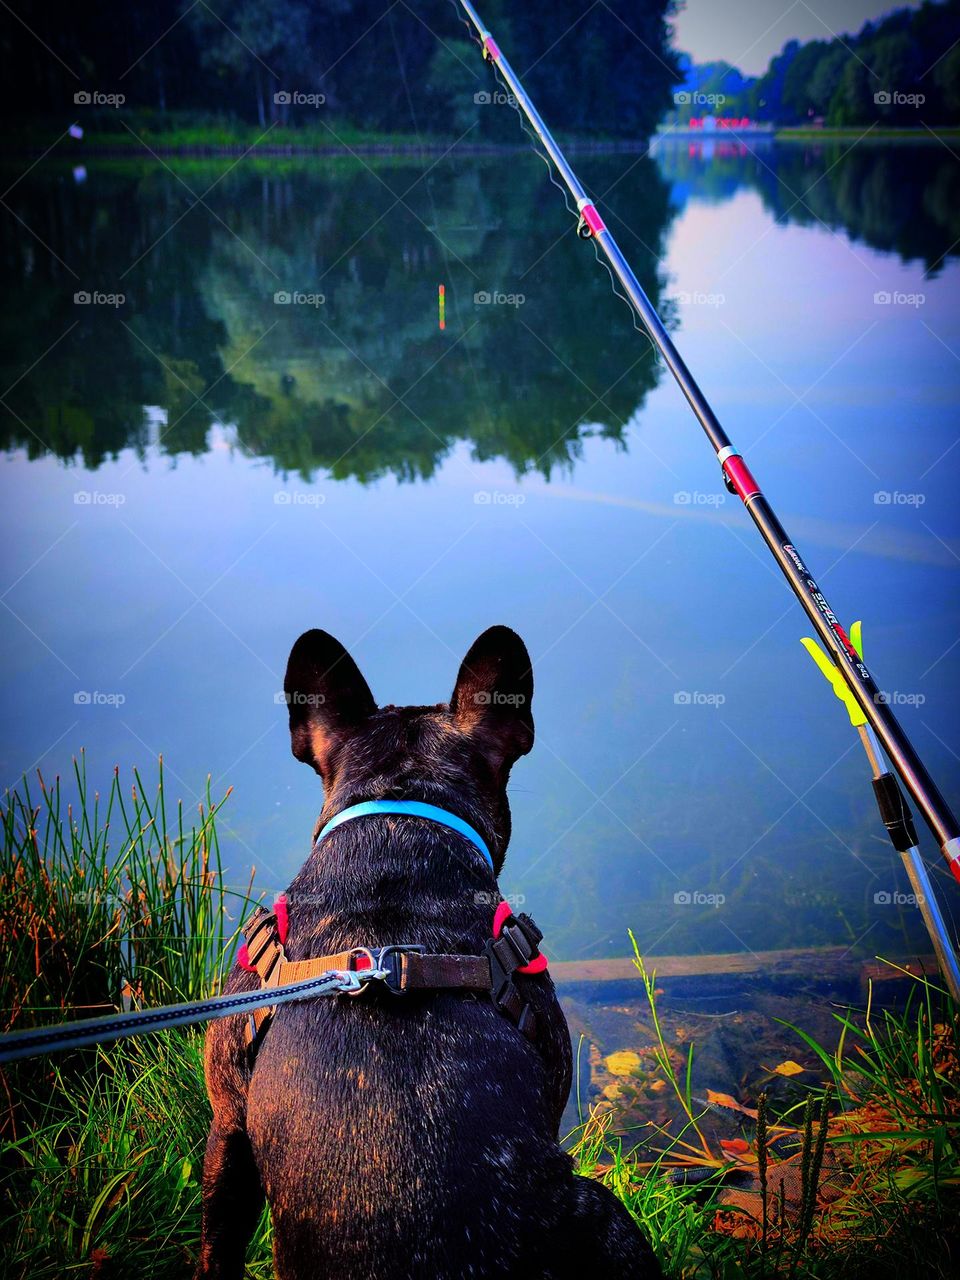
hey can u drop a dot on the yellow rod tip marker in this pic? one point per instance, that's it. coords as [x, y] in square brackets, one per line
[834, 677]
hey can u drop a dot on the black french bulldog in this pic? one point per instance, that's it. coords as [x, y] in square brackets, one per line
[409, 1137]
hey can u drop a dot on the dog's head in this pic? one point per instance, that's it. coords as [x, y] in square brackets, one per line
[459, 752]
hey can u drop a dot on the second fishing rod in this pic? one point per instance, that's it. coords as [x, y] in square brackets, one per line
[739, 480]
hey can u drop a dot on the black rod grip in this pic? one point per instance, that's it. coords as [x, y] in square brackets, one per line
[893, 810]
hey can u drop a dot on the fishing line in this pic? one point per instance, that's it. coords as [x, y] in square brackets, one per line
[535, 146]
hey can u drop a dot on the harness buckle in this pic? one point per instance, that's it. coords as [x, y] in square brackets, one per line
[514, 948]
[390, 959]
[385, 963]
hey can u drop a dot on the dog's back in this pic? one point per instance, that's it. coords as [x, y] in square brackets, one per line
[404, 1135]
[400, 1133]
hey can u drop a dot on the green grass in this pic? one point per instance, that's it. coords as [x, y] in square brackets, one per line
[118, 901]
[802, 133]
[173, 132]
[135, 134]
[106, 903]
[888, 1116]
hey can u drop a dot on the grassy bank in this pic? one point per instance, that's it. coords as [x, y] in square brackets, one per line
[877, 134]
[137, 133]
[119, 900]
[123, 130]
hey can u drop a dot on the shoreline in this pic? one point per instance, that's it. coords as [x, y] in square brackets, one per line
[831, 964]
[126, 147]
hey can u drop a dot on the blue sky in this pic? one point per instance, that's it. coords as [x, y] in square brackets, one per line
[747, 33]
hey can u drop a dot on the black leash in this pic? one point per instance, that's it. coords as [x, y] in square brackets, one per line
[87, 1031]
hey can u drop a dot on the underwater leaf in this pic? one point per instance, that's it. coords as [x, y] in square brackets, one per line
[789, 1068]
[623, 1063]
[739, 1148]
[725, 1100]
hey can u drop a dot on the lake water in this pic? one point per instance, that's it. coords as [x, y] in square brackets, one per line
[194, 476]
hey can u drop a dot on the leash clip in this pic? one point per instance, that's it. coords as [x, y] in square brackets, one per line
[354, 981]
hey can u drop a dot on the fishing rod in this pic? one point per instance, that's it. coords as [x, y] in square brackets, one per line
[895, 815]
[739, 480]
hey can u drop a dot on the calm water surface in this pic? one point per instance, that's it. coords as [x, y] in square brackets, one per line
[194, 476]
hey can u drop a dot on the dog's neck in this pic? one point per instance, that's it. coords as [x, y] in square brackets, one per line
[408, 808]
[388, 880]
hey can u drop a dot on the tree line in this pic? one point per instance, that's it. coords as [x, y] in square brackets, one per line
[901, 70]
[397, 67]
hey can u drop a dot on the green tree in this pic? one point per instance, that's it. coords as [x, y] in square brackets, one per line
[946, 78]
[797, 98]
[826, 78]
[263, 46]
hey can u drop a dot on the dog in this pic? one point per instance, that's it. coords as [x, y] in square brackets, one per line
[410, 1136]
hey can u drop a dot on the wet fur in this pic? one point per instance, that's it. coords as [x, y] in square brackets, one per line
[402, 1137]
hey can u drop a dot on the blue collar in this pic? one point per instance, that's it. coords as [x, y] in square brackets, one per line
[414, 808]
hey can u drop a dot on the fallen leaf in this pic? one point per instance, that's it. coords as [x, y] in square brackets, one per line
[725, 1100]
[789, 1068]
[740, 1150]
[623, 1063]
[735, 1146]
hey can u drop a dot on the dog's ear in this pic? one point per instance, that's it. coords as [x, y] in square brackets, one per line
[327, 698]
[493, 698]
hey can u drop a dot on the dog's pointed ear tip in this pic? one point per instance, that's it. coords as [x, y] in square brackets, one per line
[313, 637]
[498, 636]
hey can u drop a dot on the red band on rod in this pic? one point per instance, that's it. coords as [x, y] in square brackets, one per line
[593, 219]
[740, 477]
[845, 641]
[491, 47]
